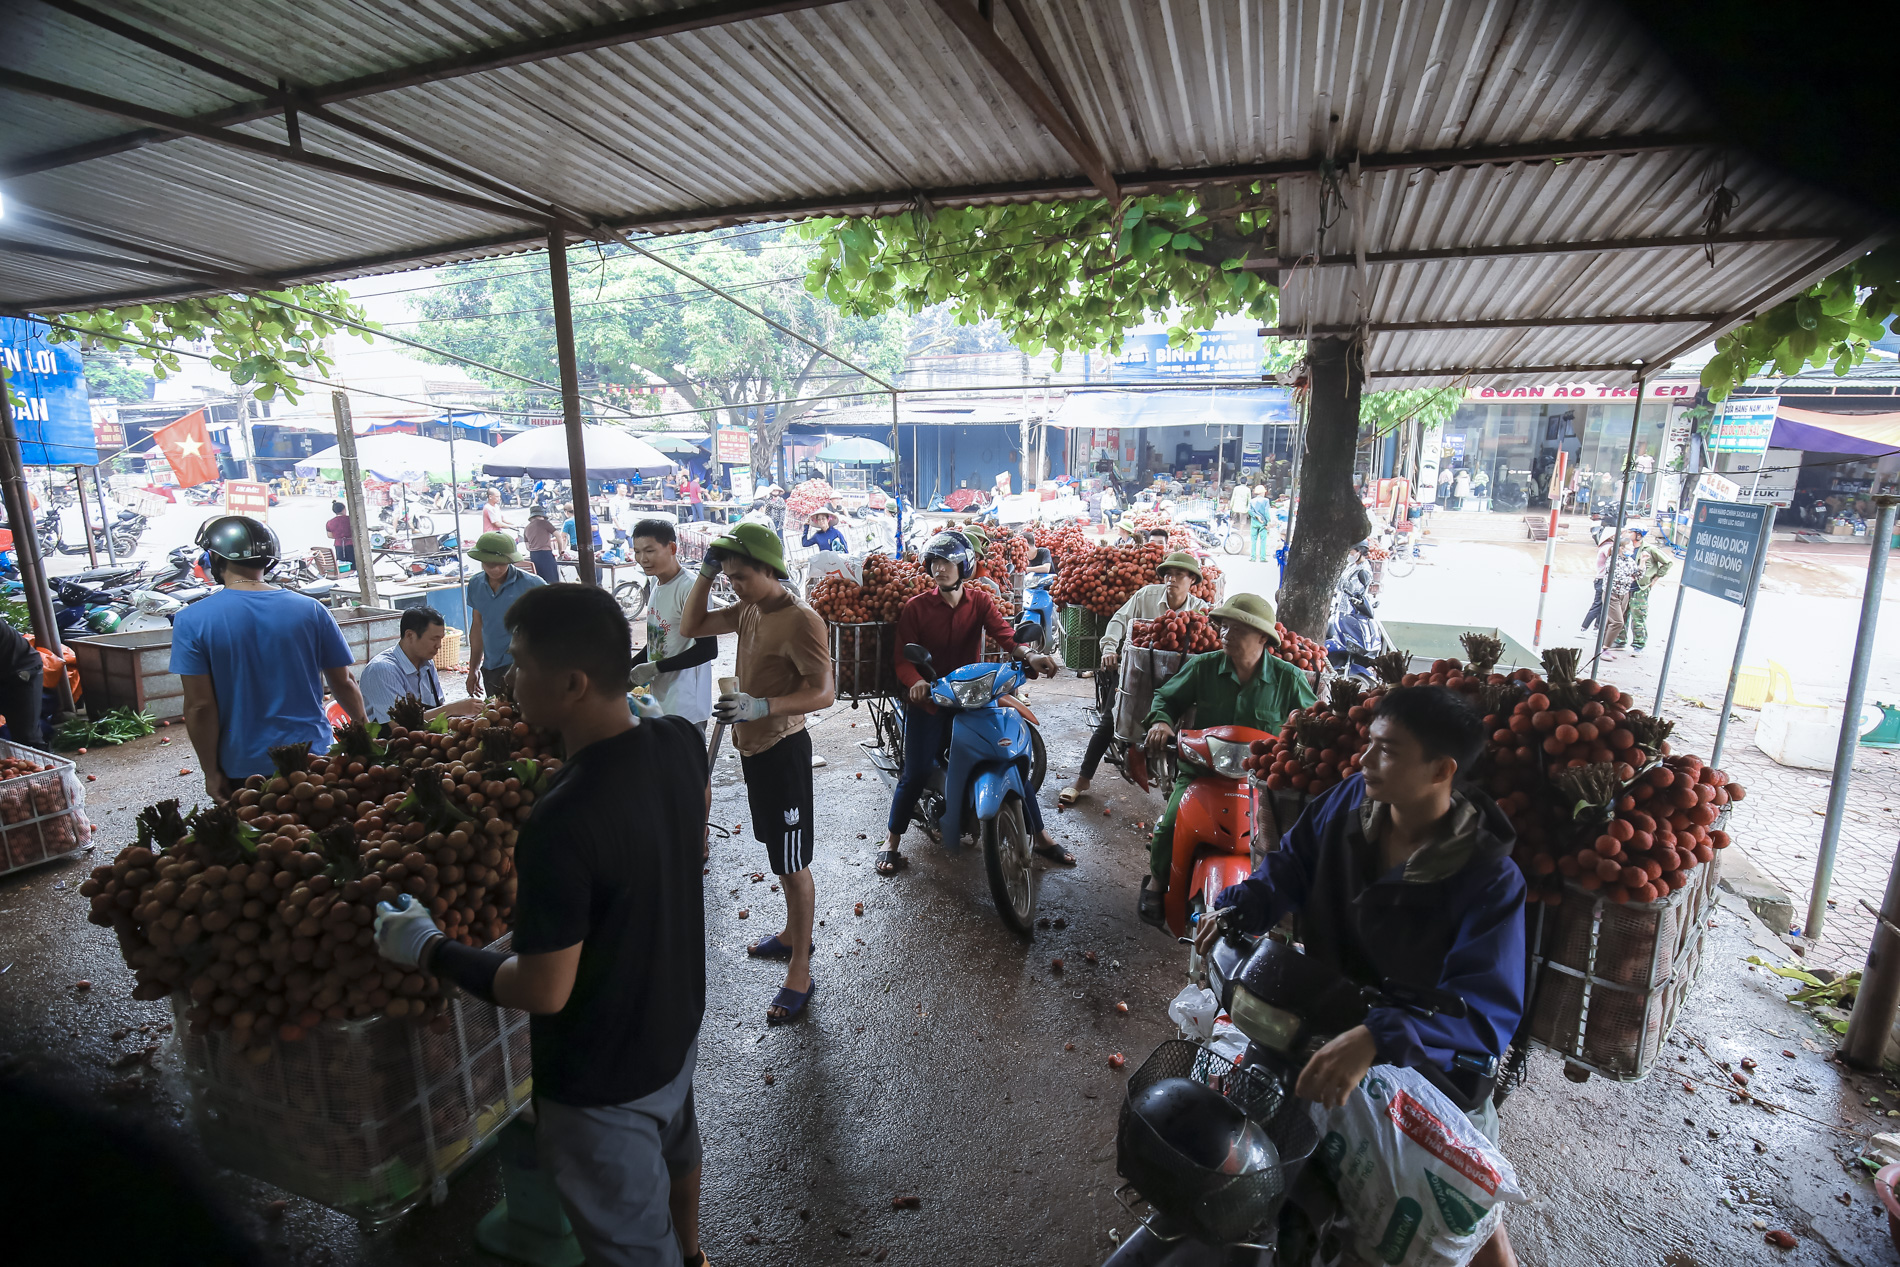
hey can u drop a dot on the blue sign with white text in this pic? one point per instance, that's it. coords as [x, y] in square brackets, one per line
[1723, 540]
[1218, 354]
[52, 412]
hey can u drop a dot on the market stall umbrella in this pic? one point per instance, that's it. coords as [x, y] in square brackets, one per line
[671, 444]
[612, 454]
[399, 458]
[856, 451]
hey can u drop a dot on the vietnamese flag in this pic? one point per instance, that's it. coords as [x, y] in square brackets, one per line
[187, 446]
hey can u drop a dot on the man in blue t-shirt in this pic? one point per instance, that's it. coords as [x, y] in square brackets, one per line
[253, 659]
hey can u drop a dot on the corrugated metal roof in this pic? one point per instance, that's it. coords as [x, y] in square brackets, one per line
[614, 111]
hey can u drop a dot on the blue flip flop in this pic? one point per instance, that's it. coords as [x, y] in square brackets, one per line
[792, 1001]
[772, 948]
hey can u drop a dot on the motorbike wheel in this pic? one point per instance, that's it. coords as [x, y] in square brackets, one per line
[1234, 542]
[1012, 874]
[125, 544]
[1038, 760]
[632, 597]
[1400, 565]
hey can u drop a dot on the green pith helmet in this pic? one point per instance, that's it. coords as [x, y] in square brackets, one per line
[1179, 559]
[756, 542]
[496, 547]
[1251, 610]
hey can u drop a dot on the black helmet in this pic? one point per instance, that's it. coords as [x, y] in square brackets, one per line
[238, 539]
[1204, 1126]
[955, 547]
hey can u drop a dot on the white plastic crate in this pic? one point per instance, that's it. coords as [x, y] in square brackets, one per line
[42, 815]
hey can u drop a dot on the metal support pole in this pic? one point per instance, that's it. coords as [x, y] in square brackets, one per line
[1622, 513]
[897, 479]
[1669, 648]
[1850, 715]
[1550, 549]
[98, 490]
[1741, 637]
[455, 506]
[26, 542]
[571, 402]
[353, 496]
[85, 519]
[1878, 1000]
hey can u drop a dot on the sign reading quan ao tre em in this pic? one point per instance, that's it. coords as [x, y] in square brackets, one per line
[1723, 540]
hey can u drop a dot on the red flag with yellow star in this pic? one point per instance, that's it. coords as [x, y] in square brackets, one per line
[187, 446]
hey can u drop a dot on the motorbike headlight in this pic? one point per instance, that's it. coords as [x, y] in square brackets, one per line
[974, 692]
[1226, 756]
[1266, 1024]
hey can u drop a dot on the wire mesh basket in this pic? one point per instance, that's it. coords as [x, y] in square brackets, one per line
[1081, 638]
[1143, 671]
[42, 814]
[864, 660]
[369, 1117]
[1211, 1205]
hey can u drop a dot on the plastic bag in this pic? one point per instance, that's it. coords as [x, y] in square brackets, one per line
[1194, 1011]
[831, 563]
[1419, 1185]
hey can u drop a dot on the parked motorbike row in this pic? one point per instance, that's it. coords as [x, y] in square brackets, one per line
[121, 536]
[125, 600]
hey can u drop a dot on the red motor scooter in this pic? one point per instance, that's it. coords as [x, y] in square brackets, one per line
[1215, 822]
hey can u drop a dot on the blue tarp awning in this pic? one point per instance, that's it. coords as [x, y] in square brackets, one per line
[1184, 407]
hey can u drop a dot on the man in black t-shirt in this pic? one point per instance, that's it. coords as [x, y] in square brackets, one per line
[609, 936]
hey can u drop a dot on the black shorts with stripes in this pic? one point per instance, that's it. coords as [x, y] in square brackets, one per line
[778, 788]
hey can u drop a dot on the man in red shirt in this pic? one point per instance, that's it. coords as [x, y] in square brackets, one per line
[949, 623]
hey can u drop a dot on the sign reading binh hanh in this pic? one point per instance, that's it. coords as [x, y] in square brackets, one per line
[1723, 539]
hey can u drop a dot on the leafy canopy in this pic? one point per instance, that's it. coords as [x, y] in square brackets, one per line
[1387, 410]
[1062, 276]
[1832, 322]
[254, 338]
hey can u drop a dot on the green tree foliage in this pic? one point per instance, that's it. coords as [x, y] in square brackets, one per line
[1831, 323]
[115, 376]
[1065, 276]
[256, 339]
[1381, 412]
[637, 324]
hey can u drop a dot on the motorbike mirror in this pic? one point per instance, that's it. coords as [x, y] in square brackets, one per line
[921, 658]
[1029, 634]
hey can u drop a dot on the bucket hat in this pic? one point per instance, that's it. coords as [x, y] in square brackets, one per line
[756, 542]
[1179, 559]
[497, 547]
[1251, 610]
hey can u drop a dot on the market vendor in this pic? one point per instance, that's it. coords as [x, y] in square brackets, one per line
[1239, 685]
[949, 622]
[408, 668]
[609, 935]
[489, 596]
[821, 533]
[253, 660]
[1402, 873]
[1172, 591]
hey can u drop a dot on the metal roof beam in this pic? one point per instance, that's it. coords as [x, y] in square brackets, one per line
[296, 155]
[1507, 251]
[1500, 323]
[1060, 124]
[454, 66]
[1497, 371]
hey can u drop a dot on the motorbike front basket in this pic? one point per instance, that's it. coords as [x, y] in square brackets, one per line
[1211, 1206]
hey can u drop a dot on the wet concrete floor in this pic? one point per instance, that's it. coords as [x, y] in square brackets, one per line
[935, 1063]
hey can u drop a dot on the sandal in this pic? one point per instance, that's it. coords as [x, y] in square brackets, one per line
[789, 1001]
[772, 948]
[1055, 853]
[890, 862]
[1148, 906]
[1068, 796]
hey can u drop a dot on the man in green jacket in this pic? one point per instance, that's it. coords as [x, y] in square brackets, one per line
[1652, 564]
[1239, 685]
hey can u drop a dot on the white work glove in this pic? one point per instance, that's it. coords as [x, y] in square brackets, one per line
[739, 707]
[404, 930]
[645, 706]
[644, 673]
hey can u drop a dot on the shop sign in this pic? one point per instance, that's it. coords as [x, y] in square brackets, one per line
[108, 433]
[1723, 539]
[1717, 488]
[53, 417]
[734, 446]
[1743, 425]
[741, 477]
[1578, 391]
[1430, 446]
[1215, 354]
[246, 497]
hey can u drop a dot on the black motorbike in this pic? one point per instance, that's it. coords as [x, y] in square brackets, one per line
[1218, 1150]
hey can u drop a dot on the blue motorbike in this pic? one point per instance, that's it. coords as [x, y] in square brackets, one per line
[994, 764]
[1037, 603]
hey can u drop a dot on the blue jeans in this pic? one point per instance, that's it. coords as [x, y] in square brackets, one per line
[926, 736]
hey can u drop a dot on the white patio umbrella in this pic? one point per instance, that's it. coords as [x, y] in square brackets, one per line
[399, 458]
[610, 453]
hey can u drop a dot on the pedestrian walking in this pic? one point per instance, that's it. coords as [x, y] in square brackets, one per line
[1652, 564]
[489, 596]
[342, 539]
[492, 518]
[609, 955]
[1237, 506]
[1606, 549]
[1260, 514]
[408, 668]
[677, 670]
[783, 668]
[695, 500]
[1621, 580]
[539, 536]
[253, 660]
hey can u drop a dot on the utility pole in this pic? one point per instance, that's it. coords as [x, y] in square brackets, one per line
[571, 402]
[353, 497]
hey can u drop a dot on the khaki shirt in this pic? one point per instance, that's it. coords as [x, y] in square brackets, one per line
[779, 646]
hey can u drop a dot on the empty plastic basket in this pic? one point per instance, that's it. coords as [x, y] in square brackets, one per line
[1751, 688]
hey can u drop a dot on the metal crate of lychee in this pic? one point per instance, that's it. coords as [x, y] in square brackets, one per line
[369, 1117]
[1610, 979]
[864, 660]
[42, 815]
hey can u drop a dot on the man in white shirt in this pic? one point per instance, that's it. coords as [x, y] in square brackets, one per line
[408, 668]
[676, 669]
[1237, 506]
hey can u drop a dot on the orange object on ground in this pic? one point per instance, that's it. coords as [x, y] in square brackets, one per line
[51, 664]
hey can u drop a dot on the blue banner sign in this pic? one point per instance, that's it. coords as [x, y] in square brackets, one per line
[52, 414]
[1218, 354]
[1723, 539]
